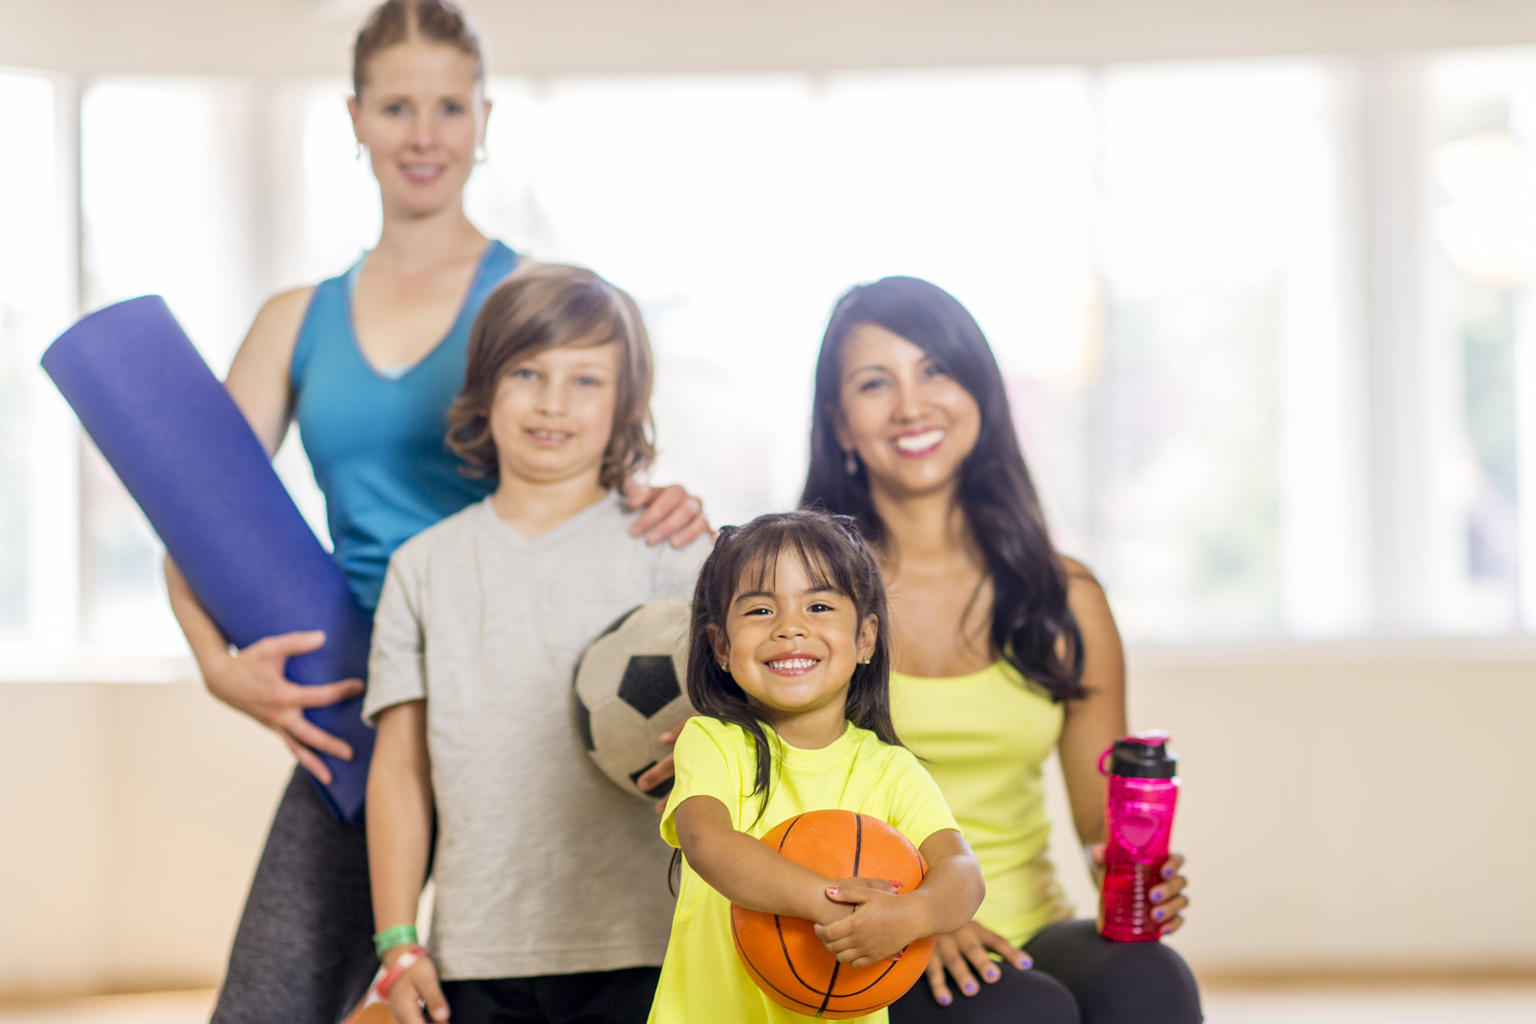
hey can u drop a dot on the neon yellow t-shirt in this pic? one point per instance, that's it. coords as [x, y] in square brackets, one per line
[702, 979]
[984, 738]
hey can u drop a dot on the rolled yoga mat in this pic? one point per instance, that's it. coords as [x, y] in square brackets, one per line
[189, 458]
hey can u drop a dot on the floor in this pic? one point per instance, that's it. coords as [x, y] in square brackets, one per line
[1511, 1004]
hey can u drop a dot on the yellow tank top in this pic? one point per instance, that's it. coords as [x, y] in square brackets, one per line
[984, 738]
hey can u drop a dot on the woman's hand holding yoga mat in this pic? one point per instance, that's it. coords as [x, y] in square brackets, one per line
[252, 680]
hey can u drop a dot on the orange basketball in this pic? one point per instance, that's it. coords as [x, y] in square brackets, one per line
[784, 956]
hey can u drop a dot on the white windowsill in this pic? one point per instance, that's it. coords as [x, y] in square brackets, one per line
[22, 668]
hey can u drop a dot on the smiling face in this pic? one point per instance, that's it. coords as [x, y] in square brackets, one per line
[910, 422]
[420, 115]
[551, 417]
[791, 643]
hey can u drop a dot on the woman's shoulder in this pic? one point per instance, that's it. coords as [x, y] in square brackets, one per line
[284, 312]
[275, 331]
[1086, 596]
[1076, 572]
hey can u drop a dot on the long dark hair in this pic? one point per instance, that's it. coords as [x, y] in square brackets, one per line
[835, 557]
[1032, 626]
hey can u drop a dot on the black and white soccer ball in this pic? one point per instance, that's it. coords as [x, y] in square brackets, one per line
[629, 690]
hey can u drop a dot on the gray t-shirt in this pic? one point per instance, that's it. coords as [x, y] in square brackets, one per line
[542, 865]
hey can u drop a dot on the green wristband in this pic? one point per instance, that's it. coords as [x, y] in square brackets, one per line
[389, 938]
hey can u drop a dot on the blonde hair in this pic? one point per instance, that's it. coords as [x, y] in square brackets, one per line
[396, 21]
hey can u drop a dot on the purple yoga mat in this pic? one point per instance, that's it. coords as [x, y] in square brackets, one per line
[187, 456]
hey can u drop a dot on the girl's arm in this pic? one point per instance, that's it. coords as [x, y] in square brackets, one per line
[746, 871]
[882, 924]
[1092, 725]
[252, 681]
[400, 807]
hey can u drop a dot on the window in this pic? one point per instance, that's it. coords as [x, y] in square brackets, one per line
[37, 457]
[166, 184]
[1178, 266]
[1222, 444]
[1481, 545]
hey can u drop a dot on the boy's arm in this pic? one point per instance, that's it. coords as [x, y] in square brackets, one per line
[745, 870]
[399, 826]
[882, 924]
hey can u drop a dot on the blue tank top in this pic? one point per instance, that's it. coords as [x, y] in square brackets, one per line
[377, 441]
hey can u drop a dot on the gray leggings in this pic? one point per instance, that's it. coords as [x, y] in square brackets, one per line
[304, 951]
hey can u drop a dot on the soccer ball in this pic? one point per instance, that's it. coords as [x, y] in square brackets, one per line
[629, 690]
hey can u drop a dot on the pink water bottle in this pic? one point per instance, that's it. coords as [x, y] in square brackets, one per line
[1139, 818]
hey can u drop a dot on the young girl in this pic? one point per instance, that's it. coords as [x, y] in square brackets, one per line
[788, 664]
[552, 899]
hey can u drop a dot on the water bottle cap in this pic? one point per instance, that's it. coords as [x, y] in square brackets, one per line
[1143, 756]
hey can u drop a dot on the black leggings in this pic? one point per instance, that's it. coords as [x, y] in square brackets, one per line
[1079, 977]
[594, 997]
[304, 951]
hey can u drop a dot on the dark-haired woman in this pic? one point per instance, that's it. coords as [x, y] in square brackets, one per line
[367, 363]
[1003, 651]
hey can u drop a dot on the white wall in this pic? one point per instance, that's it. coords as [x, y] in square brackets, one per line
[548, 36]
[1343, 807]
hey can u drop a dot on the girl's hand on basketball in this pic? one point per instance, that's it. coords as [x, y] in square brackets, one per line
[416, 987]
[253, 682]
[1168, 899]
[879, 928]
[963, 956]
[666, 513]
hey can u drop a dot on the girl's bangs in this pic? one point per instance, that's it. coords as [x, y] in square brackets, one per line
[823, 568]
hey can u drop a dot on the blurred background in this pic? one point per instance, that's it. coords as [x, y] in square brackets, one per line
[1259, 275]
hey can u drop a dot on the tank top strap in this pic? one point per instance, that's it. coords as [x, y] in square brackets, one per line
[326, 317]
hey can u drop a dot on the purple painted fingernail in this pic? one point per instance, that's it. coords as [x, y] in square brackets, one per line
[970, 988]
[1167, 872]
[1158, 914]
[944, 999]
[1026, 962]
[992, 974]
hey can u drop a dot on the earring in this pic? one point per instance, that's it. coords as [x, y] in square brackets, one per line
[866, 661]
[850, 462]
[480, 154]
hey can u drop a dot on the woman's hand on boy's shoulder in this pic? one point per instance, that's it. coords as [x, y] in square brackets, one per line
[666, 513]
